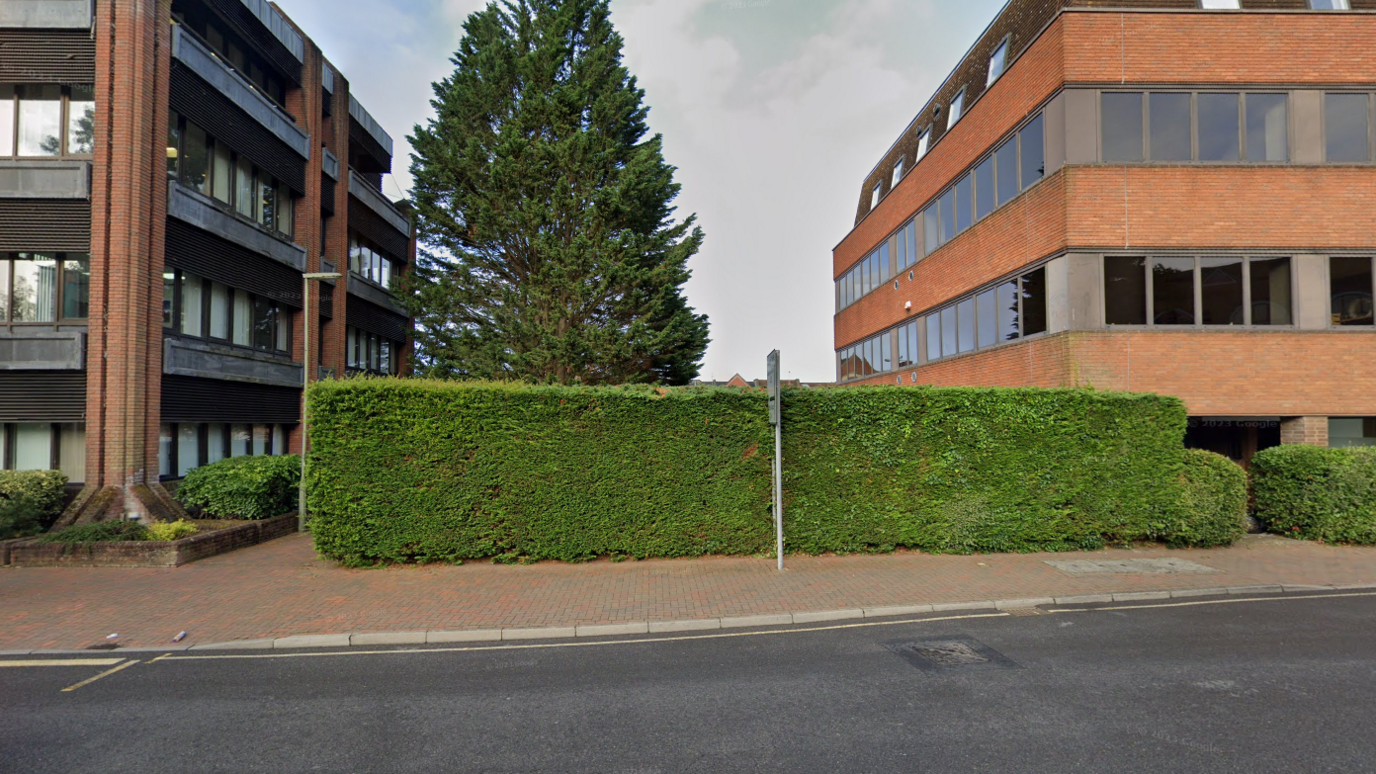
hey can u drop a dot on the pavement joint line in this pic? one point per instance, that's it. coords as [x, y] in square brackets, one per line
[106, 673]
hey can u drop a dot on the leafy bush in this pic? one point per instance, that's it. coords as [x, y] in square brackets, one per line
[100, 532]
[30, 501]
[171, 530]
[409, 470]
[243, 487]
[1317, 494]
[1214, 504]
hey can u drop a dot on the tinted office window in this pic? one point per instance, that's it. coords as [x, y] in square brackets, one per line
[76, 288]
[40, 121]
[903, 248]
[964, 205]
[1006, 169]
[984, 188]
[1268, 129]
[1122, 126]
[912, 343]
[933, 336]
[886, 351]
[949, 332]
[965, 316]
[931, 229]
[1271, 297]
[1345, 127]
[1125, 290]
[1351, 290]
[1220, 283]
[1169, 115]
[1009, 324]
[1219, 127]
[1033, 152]
[81, 120]
[988, 303]
[1173, 291]
[947, 204]
[1034, 303]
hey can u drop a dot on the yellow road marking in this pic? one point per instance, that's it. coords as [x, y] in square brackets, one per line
[73, 662]
[106, 673]
[601, 643]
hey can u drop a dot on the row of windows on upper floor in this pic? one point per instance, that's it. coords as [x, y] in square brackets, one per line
[234, 52]
[1166, 291]
[44, 287]
[364, 351]
[369, 262]
[210, 167]
[46, 121]
[998, 62]
[198, 307]
[1015, 165]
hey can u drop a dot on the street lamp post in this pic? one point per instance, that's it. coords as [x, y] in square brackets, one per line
[306, 383]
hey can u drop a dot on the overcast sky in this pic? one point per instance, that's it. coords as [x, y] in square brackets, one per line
[774, 111]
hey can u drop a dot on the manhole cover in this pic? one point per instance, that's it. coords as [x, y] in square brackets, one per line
[950, 653]
[1131, 567]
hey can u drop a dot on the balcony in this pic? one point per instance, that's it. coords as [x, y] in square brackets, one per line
[190, 207]
[202, 61]
[46, 14]
[42, 350]
[43, 179]
[183, 357]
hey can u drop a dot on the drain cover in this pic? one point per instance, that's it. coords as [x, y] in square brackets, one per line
[949, 654]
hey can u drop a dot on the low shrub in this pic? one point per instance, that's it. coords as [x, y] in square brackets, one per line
[171, 530]
[30, 501]
[1214, 503]
[1317, 494]
[410, 470]
[101, 532]
[243, 487]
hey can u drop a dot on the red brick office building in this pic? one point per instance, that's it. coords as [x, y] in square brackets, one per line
[1172, 197]
[168, 172]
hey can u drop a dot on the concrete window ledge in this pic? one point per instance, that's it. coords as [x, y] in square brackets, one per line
[44, 178]
[42, 350]
[183, 357]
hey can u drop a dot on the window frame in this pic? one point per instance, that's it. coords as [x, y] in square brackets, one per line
[359, 342]
[171, 432]
[1149, 288]
[924, 143]
[955, 109]
[1019, 279]
[1328, 270]
[282, 319]
[1370, 125]
[1145, 94]
[61, 258]
[898, 172]
[177, 131]
[64, 123]
[1003, 47]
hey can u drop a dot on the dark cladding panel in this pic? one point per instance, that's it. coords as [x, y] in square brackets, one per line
[374, 319]
[45, 224]
[372, 227]
[47, 56]
[188, 399]
[251, 27]
[42, 396]
[327, 188]
[211, 257]
[326, 300]
[223, 120]
[366, 154]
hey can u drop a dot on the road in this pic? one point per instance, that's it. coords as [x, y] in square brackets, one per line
[1271, 685]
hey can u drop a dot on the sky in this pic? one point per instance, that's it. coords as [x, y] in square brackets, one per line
[773, 111]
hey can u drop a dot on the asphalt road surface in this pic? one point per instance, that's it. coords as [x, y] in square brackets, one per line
[1273, 685]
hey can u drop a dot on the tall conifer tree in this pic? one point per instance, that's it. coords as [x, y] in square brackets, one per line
[552, 251]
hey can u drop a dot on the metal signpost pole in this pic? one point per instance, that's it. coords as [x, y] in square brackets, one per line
[306, 384]
[776, 418]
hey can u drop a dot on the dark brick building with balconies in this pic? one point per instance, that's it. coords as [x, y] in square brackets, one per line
[169, 171]
[1172, 196]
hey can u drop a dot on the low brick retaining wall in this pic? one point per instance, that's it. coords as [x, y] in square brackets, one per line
[150, 553]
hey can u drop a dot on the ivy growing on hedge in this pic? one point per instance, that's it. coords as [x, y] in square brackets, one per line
[410, 470]
[1317, 494]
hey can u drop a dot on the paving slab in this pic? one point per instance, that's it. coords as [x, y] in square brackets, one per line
[541, 633]
[471, 635]
[750, 621]
[691, 625]
[388, 638]
[611, 630]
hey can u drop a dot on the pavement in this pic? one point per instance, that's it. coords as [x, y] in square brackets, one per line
[281, 594]
[1274, 684]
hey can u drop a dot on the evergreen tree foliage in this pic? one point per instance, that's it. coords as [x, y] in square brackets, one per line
[552, 254]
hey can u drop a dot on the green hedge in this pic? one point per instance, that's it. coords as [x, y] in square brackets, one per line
[1317, 494]
[410, 470]
[30, 501]
[258, 487]
[120, 531]
[1214, 508]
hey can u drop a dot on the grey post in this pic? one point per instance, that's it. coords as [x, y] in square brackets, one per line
[776, 418]
[306, 384]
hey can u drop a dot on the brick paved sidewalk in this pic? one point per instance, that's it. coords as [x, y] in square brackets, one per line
[282, 588]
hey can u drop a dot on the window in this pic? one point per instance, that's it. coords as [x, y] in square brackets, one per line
[897, 172]
[255, 73]
[44, 446]
[874, 196]
[1169, 121]
[44, 287]
[965, 208]
[209, 167]
[40, 120]
[984, 188]
[1227, 127]
[1121, 126]
[1032, 146]
[997, 62]
[1220, 4]
[1346, 119]
[366, 351]
[1006, 312]
[923, 139]
[1188, 290]
[1347, 433]
[186, 446]
[907, 245]
[957, 105]
[205, 309]
[907, 344]
[1220, 127]
[1268, 127]
[368, 262]
[1351, 285]
[1330, 5]
[1006, 169]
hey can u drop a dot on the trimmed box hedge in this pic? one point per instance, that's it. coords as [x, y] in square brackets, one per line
[30, 501]
[411, 470]
[257, 487]
[1314, 493]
